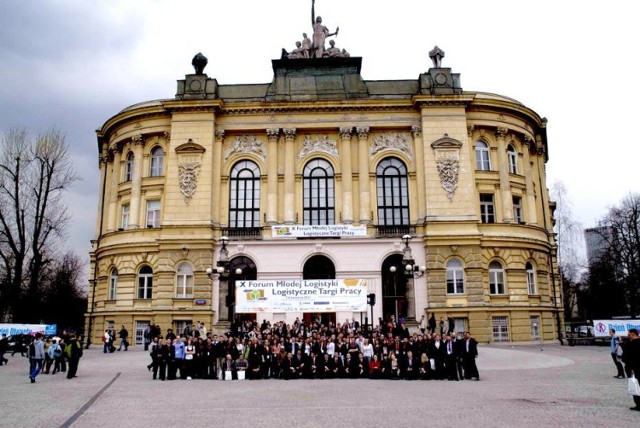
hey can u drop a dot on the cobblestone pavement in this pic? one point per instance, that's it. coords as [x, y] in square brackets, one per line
[521, 386]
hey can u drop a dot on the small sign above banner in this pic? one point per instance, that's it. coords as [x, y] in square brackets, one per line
[325, 231]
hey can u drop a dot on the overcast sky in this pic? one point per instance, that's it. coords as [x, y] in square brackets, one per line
[74, 64]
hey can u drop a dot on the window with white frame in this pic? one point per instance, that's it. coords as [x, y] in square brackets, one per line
[531, 279]
[513, 159]
[393, 195]
[124, 221]
[139, 333]
[487, 209]
[517, 209]
[535, 328]
[153, 213]
[244, 195]
[128, 168]
[483, 160]
[455, 277]
[145, 282]
[157, 162]
[113, 284]
[500, 327]
[496, 278]
[184, 281]
[179, 326]
[318, 193]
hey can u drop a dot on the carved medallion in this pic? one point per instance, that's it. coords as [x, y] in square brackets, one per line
[391, 141]
[188, 175]
[247, 144]
[318, 145]
[448, 167]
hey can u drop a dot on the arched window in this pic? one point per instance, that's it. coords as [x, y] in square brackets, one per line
[113, 284]
[244, 195]
[455, 277]
[393, 198]
[318, 193]
[496, 278]
[157, 162]
[483, 161]
[128, 169]
[531, 278]
[145, 282]
[513, 159]
[184, 281]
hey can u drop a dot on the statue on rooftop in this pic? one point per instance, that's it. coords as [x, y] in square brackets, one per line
[199, 62]
[436, 55]
[306, 46]
[320, 33]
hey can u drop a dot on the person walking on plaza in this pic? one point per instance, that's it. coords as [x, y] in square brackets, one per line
[37, 357]
[615, 348]
[106, 339]
[4, 345]
[74, 353]
[631, 358]
[55, 353]
[124, 335]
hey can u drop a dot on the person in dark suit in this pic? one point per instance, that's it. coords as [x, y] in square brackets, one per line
[631, 356]
[451, 358]
[288, 369]
[315, 366]
[458, 346]
[337, 366]
[229, 365]
[436, 353]
[409, 366]
[469, 355]
[300, 363]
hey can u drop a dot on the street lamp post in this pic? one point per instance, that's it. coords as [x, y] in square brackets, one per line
[411, 271]
[222, 273]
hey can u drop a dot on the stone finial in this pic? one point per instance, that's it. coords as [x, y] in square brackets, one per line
[199, 62]
[436, 55]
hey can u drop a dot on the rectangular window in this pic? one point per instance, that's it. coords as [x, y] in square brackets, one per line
[113, 287]
[517, 209]
[184, 286]
[496, 281]
[110, 324]
[461, 325]
[500, 329]
[124, 222]
[153, 213]
[140, 327]
[455, 282]
[535, 328]
[179, 326]
[487, 210]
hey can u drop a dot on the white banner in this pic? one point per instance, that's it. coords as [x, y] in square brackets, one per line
[328, 231]
[32, 329]
[315, 295]
[601, 327]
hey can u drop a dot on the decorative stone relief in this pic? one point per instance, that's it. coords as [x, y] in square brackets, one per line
[247, 145]
[392, 141]
[188, 174]
[189, 162]
[448, 162]
[318, 145]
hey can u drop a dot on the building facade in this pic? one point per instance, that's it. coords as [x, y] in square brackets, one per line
[462, 173]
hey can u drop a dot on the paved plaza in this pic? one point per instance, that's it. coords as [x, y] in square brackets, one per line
[521, 386]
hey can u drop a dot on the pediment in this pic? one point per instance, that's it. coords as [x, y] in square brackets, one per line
[190, 148]
[446, 142]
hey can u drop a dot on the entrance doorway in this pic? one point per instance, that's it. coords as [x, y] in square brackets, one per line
[319, 267]
[249, 273]
[394, 289]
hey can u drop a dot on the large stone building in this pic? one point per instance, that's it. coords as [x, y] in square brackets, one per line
[462, 173]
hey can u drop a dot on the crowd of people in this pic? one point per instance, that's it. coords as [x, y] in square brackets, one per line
[312, 351]
[49, 355]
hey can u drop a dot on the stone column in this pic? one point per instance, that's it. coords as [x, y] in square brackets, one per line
[416, 131]
[103, 207]
[216, 177]
[363, 174]
[347, 176]
[505, 185]
[112, 224]
[272, 175]
[289, 176]
[532, 215]
[136, 182]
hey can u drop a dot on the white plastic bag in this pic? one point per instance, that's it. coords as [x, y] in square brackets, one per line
[633, 387]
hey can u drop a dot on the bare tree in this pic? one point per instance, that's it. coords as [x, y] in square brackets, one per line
[570, 241]
[33, 176]
[621, 231]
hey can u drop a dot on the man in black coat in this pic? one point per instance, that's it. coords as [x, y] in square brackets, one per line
[631, 357]
[436, 352]
[469, 355]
